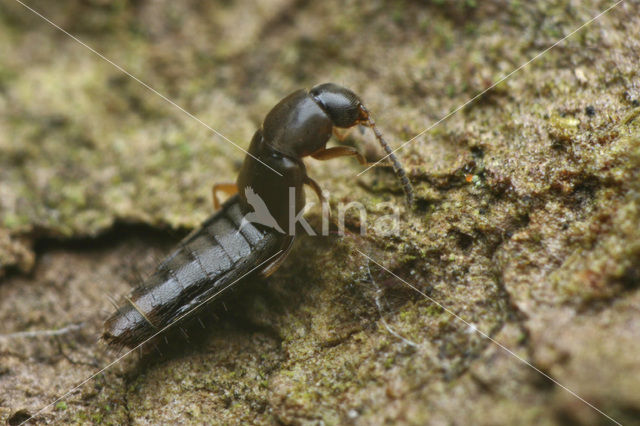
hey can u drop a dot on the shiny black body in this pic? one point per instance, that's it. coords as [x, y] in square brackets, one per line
[222, 251]
[202, 264]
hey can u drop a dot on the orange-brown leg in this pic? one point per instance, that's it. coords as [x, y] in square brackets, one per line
[226, 187]
[341, 134]
[339, 151]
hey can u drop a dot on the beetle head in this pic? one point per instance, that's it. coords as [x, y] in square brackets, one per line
[341, 105]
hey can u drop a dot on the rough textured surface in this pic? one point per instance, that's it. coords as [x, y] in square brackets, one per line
[526, 224]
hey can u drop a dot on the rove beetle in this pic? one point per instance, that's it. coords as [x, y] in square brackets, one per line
[226, 248]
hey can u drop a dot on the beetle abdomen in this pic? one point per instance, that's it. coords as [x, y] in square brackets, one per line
[205, 262]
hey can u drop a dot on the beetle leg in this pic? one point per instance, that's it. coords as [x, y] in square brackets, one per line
[316, 188]
[341, 134]
[275, 263]
[226, 187]
[339, 151]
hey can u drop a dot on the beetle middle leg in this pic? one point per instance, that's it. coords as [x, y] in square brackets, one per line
[228, 188]
[316, 188]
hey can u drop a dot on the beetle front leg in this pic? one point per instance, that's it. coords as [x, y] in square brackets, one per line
[339, 151]
[341, 134]
[226, 187]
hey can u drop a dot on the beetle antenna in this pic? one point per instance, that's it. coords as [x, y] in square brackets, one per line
[397, 167]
